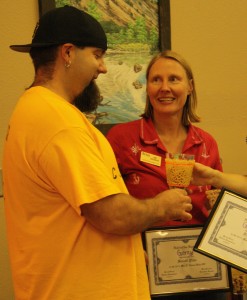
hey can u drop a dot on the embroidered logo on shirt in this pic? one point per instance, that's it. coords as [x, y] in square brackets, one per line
[135, 149]
[150, 158]
[135, 179]
[204, 151]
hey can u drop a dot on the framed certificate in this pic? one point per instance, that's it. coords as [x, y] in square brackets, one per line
[174, 267]
[224, 236]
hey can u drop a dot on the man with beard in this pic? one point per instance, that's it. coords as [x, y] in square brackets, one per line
[72, 228]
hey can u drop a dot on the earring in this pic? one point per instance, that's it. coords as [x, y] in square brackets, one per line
[67, 64]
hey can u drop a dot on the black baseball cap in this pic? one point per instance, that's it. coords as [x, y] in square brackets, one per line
[66, 25]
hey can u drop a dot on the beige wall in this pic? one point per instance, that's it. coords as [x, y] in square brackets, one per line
[17, 21]
[211, 34]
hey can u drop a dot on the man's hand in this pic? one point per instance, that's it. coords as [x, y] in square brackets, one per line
[175, 204]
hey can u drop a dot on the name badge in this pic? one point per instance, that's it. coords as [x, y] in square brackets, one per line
[150, 158]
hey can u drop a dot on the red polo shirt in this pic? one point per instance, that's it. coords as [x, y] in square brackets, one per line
[147, 179]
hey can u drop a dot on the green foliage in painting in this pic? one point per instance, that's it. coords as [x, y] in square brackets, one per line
[134, 36]
[61, 3]
[93, 10]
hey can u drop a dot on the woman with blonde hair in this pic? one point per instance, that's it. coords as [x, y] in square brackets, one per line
[166, 126]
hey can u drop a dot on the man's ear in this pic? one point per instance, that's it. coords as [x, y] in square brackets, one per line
[66, 51]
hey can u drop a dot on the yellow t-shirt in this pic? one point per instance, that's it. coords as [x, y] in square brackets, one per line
[55, 161]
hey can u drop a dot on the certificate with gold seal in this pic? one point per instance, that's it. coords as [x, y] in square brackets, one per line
[224, 236]
[175, 268]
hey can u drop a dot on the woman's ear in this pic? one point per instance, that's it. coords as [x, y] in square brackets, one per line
[191, 86]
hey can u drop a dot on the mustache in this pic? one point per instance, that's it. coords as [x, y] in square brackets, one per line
[89, 99]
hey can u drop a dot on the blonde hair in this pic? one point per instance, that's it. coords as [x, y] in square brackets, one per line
[189, 110]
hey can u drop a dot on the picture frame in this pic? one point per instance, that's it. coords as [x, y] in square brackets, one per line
[224, 236]
[175, 269]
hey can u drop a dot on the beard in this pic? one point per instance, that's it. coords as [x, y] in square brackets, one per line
[89, 99]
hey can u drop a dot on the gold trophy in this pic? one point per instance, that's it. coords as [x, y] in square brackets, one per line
[239, 282]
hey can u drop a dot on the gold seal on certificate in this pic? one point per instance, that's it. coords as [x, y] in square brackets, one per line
[175, 268]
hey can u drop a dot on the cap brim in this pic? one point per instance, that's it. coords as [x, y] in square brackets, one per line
[27, 48]
[21, 48]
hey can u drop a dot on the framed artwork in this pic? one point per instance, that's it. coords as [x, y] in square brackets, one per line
[136, 31]
[175, 269]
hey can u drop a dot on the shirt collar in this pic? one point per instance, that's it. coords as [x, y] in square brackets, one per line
[193, 137]
[149, 135]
